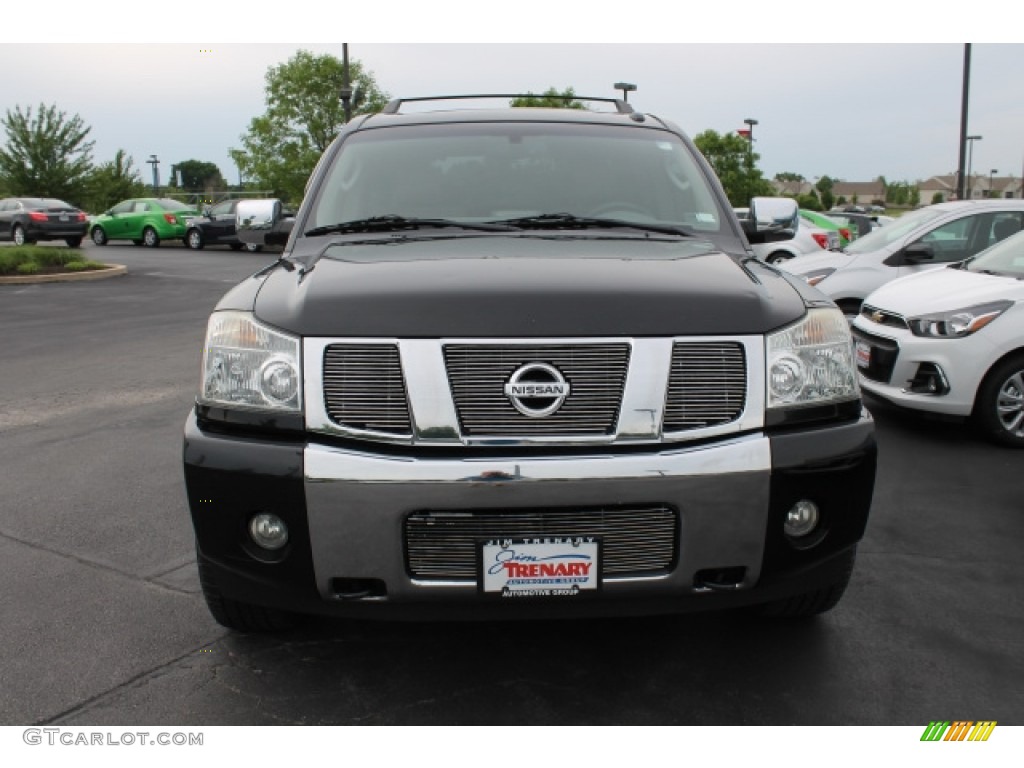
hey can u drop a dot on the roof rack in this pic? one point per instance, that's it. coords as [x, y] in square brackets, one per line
[622, 107]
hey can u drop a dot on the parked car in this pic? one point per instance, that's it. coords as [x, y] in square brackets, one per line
[521, 363]
[858, 224]
[951, 341]
[216, 226]
[821, 221]
[27, 220]
[145, 221]
[923, 239]
[807, 238]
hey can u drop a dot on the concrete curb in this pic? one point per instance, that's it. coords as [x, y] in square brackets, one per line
[112, 270]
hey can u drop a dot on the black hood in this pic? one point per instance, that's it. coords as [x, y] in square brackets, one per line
[528, 287]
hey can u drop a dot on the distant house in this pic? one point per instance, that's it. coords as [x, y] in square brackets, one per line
[978, 187]
[864, 192]
[793, 188]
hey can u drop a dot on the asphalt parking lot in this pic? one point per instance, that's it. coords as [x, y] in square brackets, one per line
[105, 625]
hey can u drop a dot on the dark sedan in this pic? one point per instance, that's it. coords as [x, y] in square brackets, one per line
[215, 227]
[27, 220]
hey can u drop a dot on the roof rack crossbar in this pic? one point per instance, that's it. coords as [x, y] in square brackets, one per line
[622, 107]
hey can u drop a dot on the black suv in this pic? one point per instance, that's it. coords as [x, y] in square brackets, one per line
[521, 362]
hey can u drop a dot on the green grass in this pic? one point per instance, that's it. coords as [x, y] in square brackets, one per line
[38, 260]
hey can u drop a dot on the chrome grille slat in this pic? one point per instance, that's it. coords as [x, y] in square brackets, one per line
[596, 373]
[364, 388]
[636, 540]
[707, 385]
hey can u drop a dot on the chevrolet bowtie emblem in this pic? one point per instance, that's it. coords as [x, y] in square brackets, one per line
[877, 317]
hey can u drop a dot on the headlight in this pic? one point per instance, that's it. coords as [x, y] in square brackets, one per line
[246, 364]
[815, 277]
[811, 362]
[959, 322]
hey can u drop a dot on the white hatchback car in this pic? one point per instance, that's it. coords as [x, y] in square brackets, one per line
[921, 240]
[951, 341]
[807, 238]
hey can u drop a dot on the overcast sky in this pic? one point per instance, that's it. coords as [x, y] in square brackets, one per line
[852, 111]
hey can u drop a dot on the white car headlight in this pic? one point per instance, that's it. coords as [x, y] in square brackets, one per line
[958, 322]
[811, 362]
[247, 364]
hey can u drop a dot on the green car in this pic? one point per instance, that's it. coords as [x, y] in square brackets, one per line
[144, 221]
[824, 222]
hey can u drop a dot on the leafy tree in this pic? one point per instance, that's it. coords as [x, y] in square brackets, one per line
[728, 155]
[110, 183]
[938, 197]
[809, 202]
[200, 176]
[304, 115]
[550, 98]
[47, 154]
[824, 187]
[788, 176]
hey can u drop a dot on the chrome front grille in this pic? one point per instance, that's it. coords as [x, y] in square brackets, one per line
[364, 388]
[596, 373]
[707, 385]
[882, 317]
[636, 541]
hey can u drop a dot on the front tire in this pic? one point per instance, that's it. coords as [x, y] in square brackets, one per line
[240, 616]
[779, 257]
[194, 239]
[99, 236]
[999, 406]
[235, 246]
[253, 247]
[150, 238]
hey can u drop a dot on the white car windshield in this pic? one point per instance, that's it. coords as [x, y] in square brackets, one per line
[891, 233]
[1004, 258]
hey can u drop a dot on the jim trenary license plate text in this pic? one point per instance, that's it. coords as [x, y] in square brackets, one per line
[548, 567]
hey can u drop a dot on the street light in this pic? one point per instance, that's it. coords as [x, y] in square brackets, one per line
[156, 174]
[750, 123]
[346, 84]
[991, 173]
[625, 88]
[970, 157]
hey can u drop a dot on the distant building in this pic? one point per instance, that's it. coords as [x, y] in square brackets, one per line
[978, 188]
[863, 192]
[793, 188]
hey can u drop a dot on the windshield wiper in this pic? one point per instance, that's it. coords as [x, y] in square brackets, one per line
[571, 221]
[393, 223]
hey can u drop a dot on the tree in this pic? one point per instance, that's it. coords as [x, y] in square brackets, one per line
[824, 187]
[200, 176]
[47, 154]
[728, 155]
[789, 176]
[304, 115]
[110, 183]
[550, 98]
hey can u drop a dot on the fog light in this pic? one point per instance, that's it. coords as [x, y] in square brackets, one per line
[268, 531]
[801, 519]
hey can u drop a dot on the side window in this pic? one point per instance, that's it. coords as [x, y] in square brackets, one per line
[955, 240]
[221, 209]
[141, 207]
[122, 207]
[1004, 225]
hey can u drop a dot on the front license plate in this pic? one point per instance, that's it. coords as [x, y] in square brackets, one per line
[863, 355]
[540, 568]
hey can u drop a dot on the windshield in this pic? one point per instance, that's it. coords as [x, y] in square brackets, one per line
[1004, 258]
[878, 239]
[173, 205]
[485, 172]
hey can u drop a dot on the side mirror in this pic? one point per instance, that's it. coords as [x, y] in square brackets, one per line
[206, 211]
[771, 220]
[262, 222]
[918, 252]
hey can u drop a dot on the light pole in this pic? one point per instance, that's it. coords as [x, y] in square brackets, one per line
[626, 88]
[156, 174]
[991, 173]
[970, 158]
[750, 123]
[346, 84]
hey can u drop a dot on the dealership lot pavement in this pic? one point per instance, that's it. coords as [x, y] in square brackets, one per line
[104, 623]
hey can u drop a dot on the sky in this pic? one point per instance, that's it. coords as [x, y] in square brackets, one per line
[888, 104]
